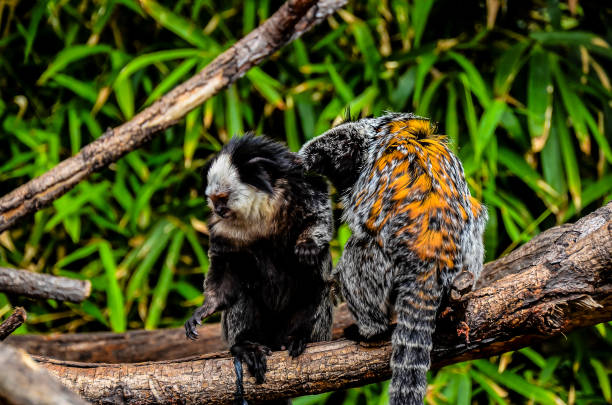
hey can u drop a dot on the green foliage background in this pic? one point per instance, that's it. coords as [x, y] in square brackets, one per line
[521, 88]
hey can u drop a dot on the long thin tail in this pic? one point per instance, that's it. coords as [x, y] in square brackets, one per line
[416, 306]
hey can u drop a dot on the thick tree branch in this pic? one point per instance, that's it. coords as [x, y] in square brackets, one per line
[36, 285]
[23, 382]
[565, 285]
[293, 19]
[11, 323]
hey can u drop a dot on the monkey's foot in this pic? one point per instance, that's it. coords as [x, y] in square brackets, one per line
[191, 325]
[307, 252]
[351, 332]
[296, 345]
[254, 356]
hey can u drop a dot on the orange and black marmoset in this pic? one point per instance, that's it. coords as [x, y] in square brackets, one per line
[414, 227]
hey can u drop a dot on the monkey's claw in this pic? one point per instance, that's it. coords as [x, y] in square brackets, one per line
[191, 325]
[296, 345]
[254, 356]
[307, 252]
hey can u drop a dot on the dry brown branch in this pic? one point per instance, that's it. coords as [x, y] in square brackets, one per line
[290, 21]
[36, 285]
[23, 382]
[538, 293]
[11, 323]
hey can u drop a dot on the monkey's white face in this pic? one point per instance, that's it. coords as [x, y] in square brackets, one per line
[243, 211]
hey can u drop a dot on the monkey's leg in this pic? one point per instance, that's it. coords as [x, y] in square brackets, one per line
[365, 277]
[241, 330]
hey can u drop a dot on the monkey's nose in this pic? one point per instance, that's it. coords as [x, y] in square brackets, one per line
[222, 211]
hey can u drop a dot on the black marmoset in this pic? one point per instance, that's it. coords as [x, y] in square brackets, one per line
[269, 252]
[414, 228]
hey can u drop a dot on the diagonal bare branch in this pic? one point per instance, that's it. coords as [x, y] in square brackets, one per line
[292, 19]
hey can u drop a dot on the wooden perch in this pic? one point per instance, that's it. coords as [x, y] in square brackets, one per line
[560, 281]
[36, 285]
[11, 323]
[23, 382]
[290, 21]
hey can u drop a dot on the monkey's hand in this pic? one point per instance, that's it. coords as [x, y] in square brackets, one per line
[254, 356]
[307, 251]
[207, 309]
[296, 344]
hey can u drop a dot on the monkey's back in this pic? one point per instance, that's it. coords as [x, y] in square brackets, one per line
[411, 196]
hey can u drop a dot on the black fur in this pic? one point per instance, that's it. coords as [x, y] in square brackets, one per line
[272, 290]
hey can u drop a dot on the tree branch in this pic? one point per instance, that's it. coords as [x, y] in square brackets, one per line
[36, 285]
[11, 323]
[23, 382]
[536, 293]
[290, 21]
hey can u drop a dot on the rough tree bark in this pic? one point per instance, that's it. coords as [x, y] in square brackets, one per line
[36, 285]
[23, 382]
[292, 19]
[533, 294]
[11, 323]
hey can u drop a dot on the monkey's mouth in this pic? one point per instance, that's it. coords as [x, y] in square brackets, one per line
[223, 212]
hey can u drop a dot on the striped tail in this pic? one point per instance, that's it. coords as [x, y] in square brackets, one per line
[416, 306]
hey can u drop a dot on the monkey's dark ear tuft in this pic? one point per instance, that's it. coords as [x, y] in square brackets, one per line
[258, 176]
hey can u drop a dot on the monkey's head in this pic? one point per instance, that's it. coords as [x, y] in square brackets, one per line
[339, 153]
[244, 182]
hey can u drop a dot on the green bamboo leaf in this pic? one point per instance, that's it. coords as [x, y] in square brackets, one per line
[72, 225]
[364, 100]
[340, 86]
[86, 91]
[602, 377]
[518, 384]
[70, 55]
[464, 394]
[549, 368]
[306, 112]
[405, 85]
[234, 117]
[196, 246]
[78, 254]
[186, 290]
[420, 13]
[425, 62]
[113, 292]
[517, 165]
[451, 121]
[569, 158]
[154, 246]
[489, 122]
[539, 99]
[179, 25]
[267, 86]
[474, 81]
[160, 293]
[534, 356]
[573, 106]
[74, 129]
[587, 39]
[488, 386]
[291, 131]
[425, 104]
[37, 13]
[552, 162]
[367, 47]
[507, 67]
[143, 61]
[172, 79]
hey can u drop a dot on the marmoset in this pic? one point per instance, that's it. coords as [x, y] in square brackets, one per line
[414, 226]
[269, 252]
